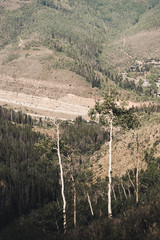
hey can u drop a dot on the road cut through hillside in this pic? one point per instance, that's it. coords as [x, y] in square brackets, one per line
[60, 94]
[68, 107]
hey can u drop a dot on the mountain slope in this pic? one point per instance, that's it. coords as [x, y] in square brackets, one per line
[42, 37]
[124, 152]
[80, 29]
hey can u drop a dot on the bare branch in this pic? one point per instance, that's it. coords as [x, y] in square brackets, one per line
[130, 180]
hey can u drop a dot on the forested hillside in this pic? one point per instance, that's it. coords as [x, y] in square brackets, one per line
[94, 35]
[79, 119]
[104, 43]
[31, 202]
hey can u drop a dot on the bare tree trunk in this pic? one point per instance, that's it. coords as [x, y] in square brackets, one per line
[90, 204]
[74, 192]
[75, 210]
[120, 194]
[137, 186]
[130, 180]
[129, 192]
[110, 172]
[74, 200]
[124, 190]
[114, 194]
[62, 181]
[57, 226]
[137, 173]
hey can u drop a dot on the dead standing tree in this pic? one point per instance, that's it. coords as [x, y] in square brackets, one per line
[108, 112]
[135, 184]
[137, 171]
[61, 177]
[71, 166]
[73, 171]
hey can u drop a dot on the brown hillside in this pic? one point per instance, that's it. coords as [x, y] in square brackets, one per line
[13, 4]
[30, 81]
[124, 153]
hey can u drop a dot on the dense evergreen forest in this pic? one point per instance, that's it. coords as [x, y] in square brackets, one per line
[30, 188]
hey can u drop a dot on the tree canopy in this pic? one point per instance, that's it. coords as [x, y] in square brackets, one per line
[126, 118]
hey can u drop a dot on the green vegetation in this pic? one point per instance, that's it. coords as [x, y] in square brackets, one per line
[83, 137]
[108, 110]
[149, 20]
[85, 31]
[31, 203]
[29, 173]
[88, 38]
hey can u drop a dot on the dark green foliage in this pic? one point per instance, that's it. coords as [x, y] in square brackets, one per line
[143, 223]
[126, 118]
[83, 137]
[147, 109]
[128, 84]
[87, 70]
[137, 223]
[30, 190]
[150, 179]
[28, 178]
[17, 117]
[46, 222]
[48, 3]
[29, 173]
[107, 110]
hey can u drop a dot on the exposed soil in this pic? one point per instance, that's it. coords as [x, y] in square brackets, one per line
[12, 4]
[28, 84]
[68, 107]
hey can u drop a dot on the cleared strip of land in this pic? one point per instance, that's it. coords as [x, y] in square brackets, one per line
[48, 107]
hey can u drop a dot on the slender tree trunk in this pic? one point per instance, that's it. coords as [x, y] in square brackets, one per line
[114, 194]
[110, 172]
[74, 200]
[129, 192]
[57, 226]
[75, 210]
[137, 186]
[90, 204]
[120, 194]
[62, 182]
[137, 173]
[130, 180]
[124, 190]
